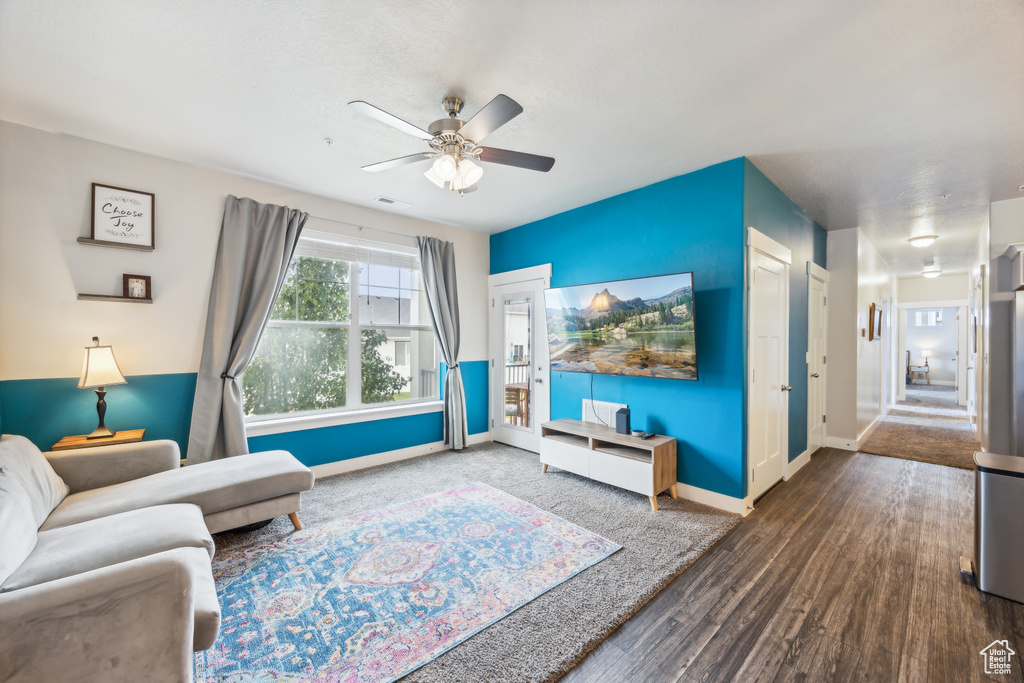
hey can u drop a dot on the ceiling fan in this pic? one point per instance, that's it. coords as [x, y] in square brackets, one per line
[455, 144]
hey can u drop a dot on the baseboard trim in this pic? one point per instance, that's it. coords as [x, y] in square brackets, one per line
[793, 466]
[738, 506]
[854, 444]
[387, 457]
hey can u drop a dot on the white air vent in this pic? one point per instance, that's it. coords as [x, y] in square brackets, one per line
[600, 412]
[394, 202]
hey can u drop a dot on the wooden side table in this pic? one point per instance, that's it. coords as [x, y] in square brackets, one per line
[83, 441]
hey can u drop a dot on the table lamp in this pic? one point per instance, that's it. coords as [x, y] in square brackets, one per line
[100, 370]
[925, 353]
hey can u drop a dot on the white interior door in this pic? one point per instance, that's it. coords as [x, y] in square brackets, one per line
[520, 398]
[961, 355]
[972, 357]
[768, 363]
[817, 324]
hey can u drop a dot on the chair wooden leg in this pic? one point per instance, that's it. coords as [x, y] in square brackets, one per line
[294, 516]
[543, 468]
[654, 503]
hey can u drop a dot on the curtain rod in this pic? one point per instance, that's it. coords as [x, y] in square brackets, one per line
[364, 227]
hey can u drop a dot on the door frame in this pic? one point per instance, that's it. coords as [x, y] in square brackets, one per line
[758, 241]
[494, 329]
[816, 272]
[961, 363]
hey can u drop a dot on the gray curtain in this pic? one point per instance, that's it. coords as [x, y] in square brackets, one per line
[438, 260]
[256, 245]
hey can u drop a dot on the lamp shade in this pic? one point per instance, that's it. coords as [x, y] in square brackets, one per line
[468, 174]
[100, 368]
[925, 353]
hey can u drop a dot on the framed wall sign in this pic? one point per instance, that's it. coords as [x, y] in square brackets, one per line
[122, 216]
[137, 286]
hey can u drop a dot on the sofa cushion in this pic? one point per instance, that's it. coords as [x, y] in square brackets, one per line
[213, 486]
[78, 548]
[17, 525]
[44, 488]
[206, 605]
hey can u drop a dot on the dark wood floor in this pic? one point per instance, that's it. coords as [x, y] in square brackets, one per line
[849, 571]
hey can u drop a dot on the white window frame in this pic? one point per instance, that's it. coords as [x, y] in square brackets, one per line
[354, 409]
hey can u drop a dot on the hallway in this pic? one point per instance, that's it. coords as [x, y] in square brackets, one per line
[928, 426]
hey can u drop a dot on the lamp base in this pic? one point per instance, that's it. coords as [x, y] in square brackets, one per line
[101, 433]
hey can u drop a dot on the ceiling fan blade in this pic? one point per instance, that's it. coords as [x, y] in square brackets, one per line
[390, 119]
[533, 162]
[400, 161]
[493, 116]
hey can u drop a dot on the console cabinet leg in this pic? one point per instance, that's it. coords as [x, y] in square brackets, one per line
[294, 516]
[654, 503]
[672, 490]
[543, 468]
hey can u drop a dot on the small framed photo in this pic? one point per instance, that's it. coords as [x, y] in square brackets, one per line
[122, 216]
[137, 286]
[873, 311]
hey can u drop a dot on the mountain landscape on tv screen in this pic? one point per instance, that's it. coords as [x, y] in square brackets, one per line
[641, 327]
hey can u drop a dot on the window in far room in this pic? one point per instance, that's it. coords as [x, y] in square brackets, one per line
[926, 318]
[350, 329]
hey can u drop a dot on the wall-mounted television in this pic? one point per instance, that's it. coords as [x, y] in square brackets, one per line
[643, 327]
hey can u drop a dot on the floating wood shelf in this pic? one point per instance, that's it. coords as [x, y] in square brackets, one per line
[115, 245]
[104, 297]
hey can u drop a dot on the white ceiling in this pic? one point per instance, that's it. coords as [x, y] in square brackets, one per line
[863, 112]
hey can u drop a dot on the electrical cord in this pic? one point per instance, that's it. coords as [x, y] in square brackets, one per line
[592, 402]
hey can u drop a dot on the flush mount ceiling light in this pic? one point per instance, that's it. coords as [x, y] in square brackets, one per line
[931, 271]
[922, 240]
[455, 143]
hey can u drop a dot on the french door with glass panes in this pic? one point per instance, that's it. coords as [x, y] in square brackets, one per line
[520, 398]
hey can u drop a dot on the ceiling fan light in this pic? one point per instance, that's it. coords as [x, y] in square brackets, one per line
[469, 172]
[931, 273]
[922, 240]
[445, 167]
[433, 177]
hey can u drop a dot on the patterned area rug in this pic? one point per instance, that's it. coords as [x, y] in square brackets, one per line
[928, 426]
[376, 595]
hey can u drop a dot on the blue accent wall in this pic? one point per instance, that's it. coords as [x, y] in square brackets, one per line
[46, 410]
[689, 223]
[771, 212]
[474, 381]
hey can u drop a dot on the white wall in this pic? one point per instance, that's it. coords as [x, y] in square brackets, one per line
[875, 282]
[843, 331]
[858, 373]
[45, 188]
[941, 340]
[942, 288]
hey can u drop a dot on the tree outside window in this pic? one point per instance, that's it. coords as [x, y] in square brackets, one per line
[303, 361]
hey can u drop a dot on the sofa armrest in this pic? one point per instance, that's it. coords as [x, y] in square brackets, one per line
[91, 468]
[131, 621]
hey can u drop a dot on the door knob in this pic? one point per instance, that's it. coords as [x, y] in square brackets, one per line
[786, 387]
[814, 374]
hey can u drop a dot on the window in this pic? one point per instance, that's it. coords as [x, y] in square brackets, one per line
[349, 329]
[928, 318]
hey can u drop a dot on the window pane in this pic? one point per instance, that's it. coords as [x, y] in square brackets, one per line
[386, 377]
[296, 369]
[315, 289]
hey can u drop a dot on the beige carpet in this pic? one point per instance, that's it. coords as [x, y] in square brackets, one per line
[545, 638]
[929, 427]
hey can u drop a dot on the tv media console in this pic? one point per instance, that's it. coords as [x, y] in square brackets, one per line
[646, 466]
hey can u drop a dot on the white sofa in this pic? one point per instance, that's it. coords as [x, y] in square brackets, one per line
[105, 555]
